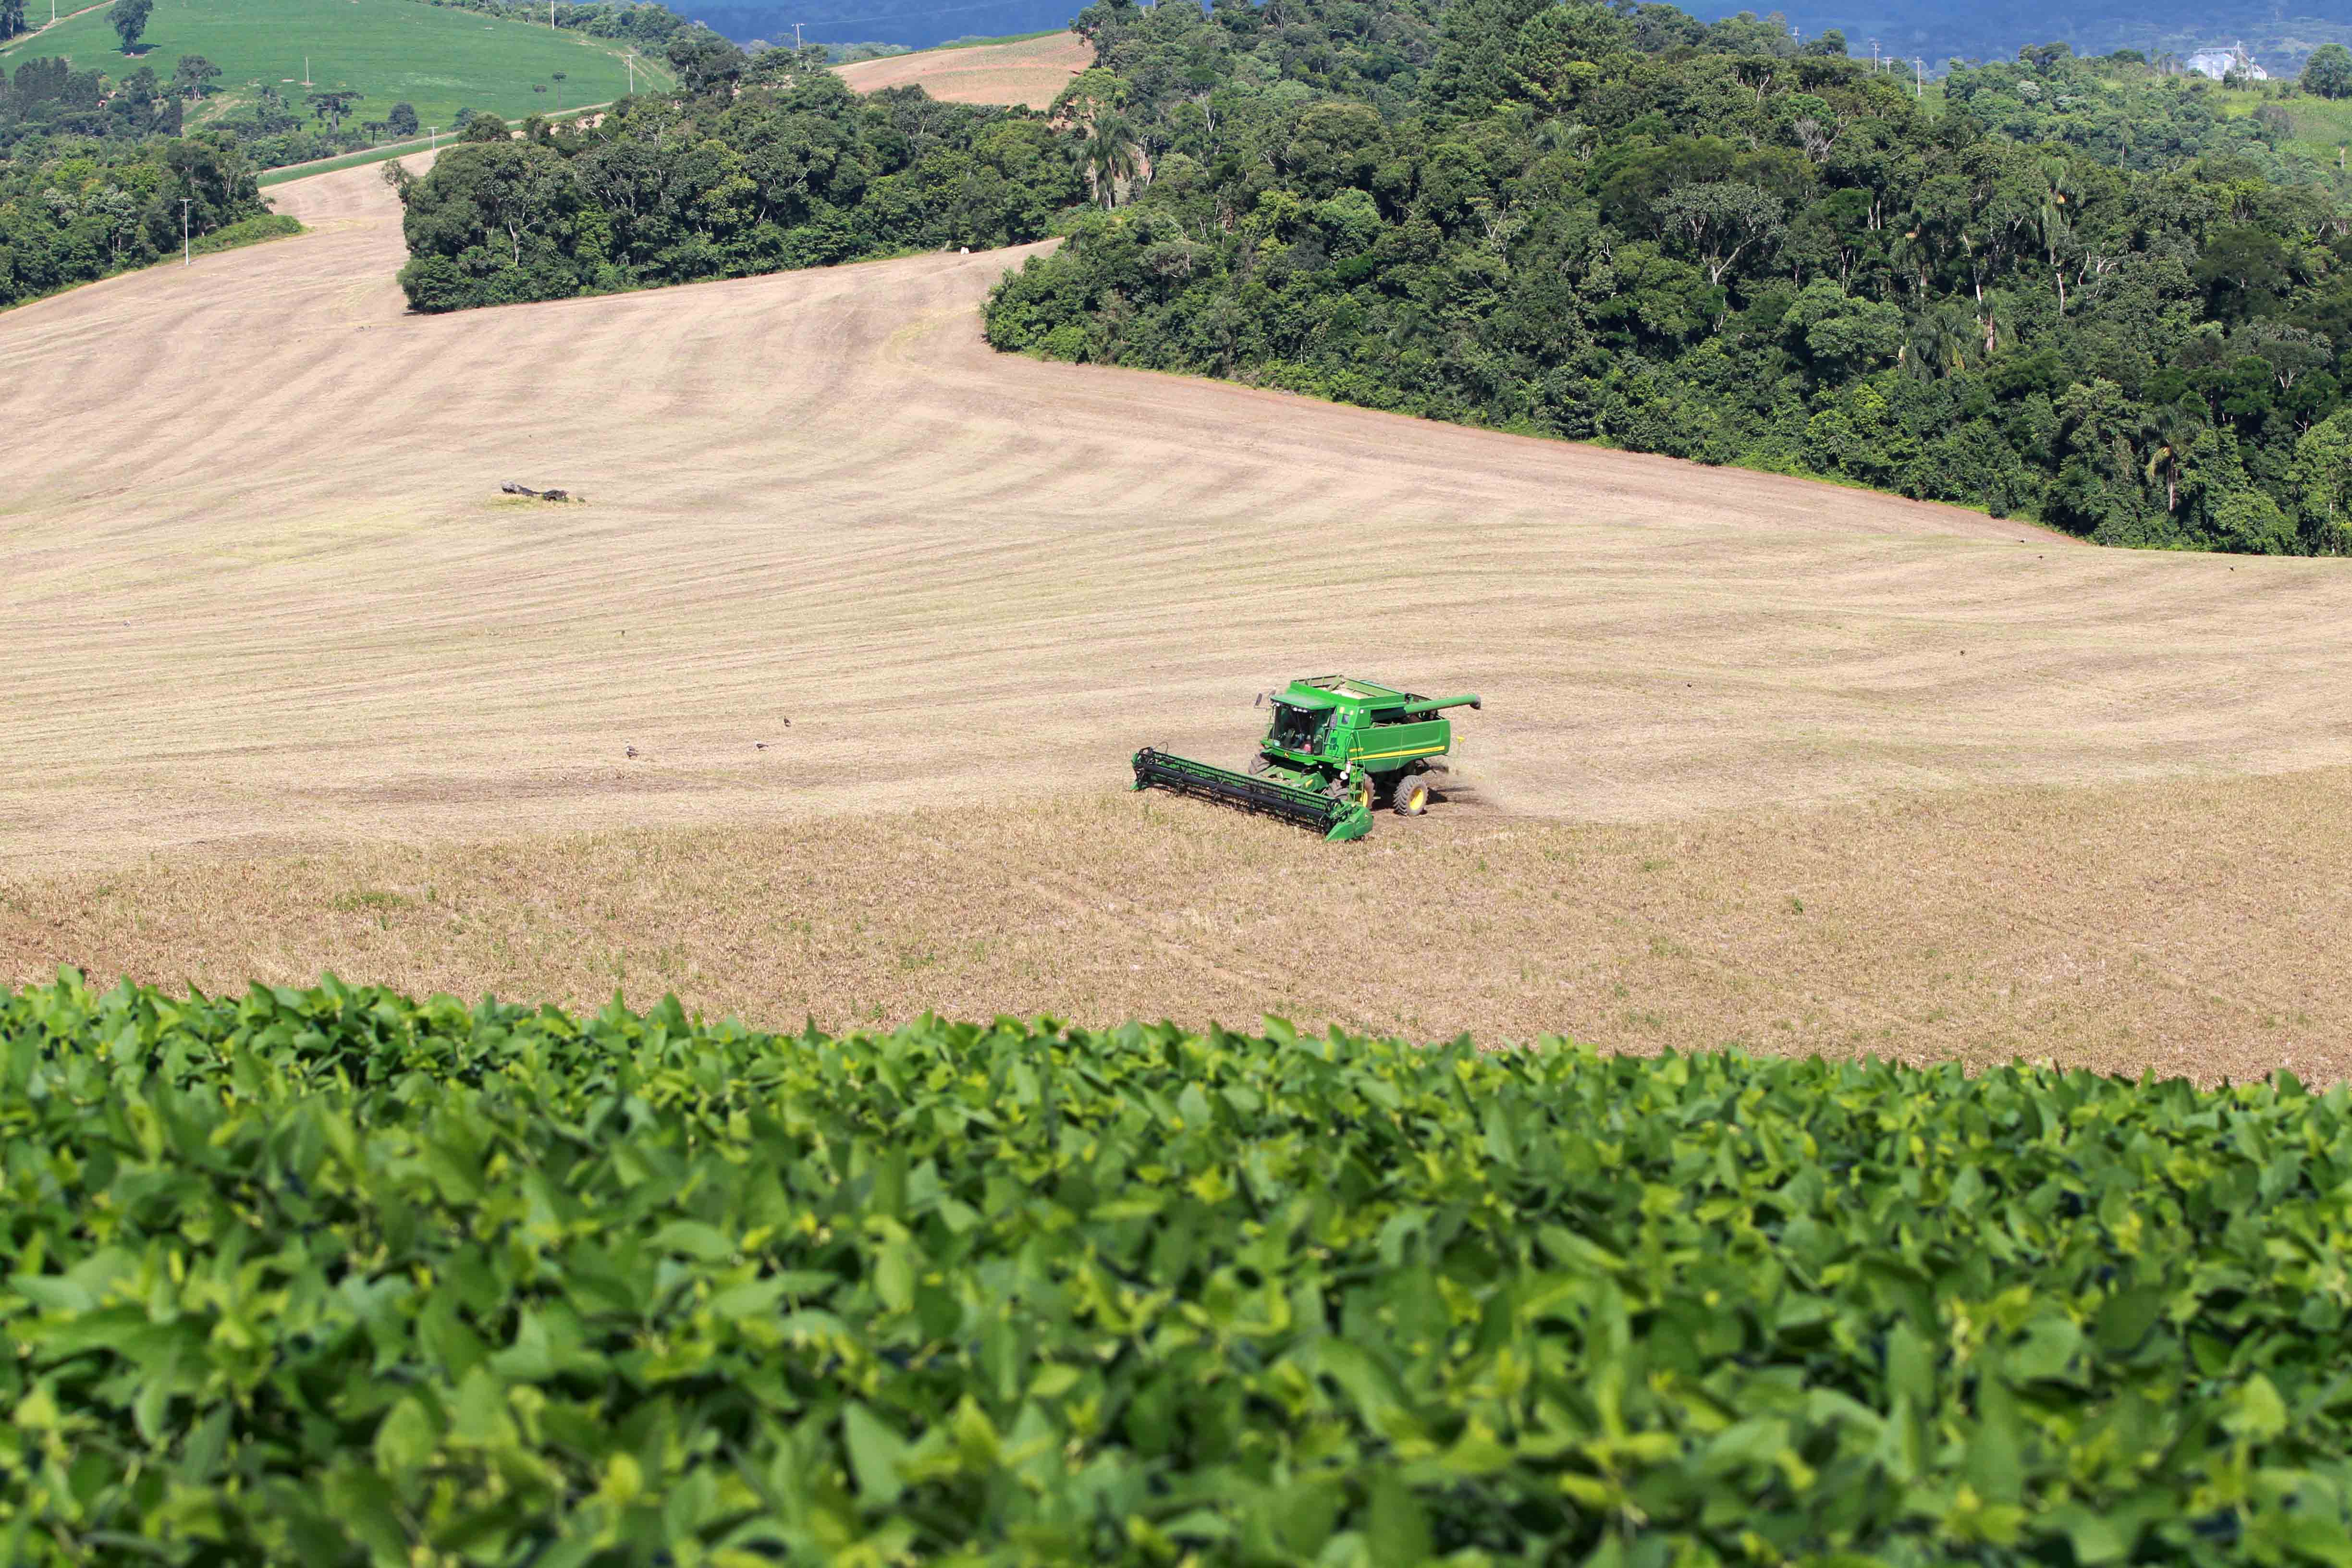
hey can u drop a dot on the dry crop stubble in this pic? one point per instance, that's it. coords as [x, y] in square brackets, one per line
[1029, 70]
[2192, 927]
[262, 595]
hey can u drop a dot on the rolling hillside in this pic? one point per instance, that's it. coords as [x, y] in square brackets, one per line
[439, 59]
[1761, 759]
[2320, 127]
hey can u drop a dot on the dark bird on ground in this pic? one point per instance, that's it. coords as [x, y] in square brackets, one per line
[630, 751]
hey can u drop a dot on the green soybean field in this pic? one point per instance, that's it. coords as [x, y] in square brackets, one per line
[437, 59]
[336, 1277]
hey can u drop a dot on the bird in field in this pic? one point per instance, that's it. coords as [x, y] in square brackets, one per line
[629, 751]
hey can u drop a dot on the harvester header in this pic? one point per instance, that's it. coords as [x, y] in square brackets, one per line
[1335, 748]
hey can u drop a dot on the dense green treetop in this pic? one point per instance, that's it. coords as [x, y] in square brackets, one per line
[2328, 72]
[2074, 292]
[774, 163]
[89, 208]
[129, 19]
[2122, 111]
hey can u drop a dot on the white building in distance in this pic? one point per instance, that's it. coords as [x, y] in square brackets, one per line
[2220, 63]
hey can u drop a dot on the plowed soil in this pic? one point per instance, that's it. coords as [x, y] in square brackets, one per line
[1913, 779]
[1033, 71]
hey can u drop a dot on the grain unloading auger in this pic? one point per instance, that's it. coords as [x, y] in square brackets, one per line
[1337, 748]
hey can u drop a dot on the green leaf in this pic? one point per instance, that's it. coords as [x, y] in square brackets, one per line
[876, 1452]
[894, 1277]
[480, 1420]
[2095, 1538]
[2259, 1413]
[1910, 1367]
[404, 1439]
[692, 1238]
[1398, 1528]
[2126, 1318]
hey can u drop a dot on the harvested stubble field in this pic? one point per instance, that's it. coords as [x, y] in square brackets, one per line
[290, 687]
[1028, 70]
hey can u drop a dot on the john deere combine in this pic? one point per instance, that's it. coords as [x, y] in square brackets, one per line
[1336, 747]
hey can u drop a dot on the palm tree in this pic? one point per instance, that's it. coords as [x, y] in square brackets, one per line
[1941, 340]
[2051, 219]
[1111, 154]
[2171, 434]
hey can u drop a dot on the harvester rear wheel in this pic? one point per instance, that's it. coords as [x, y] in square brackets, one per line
[1412, 795]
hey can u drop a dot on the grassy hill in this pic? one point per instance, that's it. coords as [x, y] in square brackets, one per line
[2321, 128]
[390, 51]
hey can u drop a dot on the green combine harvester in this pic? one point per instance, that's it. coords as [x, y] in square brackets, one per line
[1337, 748]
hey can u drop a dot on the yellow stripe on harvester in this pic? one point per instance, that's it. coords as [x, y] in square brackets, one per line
[1408, 752]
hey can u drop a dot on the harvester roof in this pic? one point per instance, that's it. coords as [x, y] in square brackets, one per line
[1340, 691]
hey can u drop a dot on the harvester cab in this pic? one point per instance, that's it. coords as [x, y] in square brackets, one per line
[1334, 749]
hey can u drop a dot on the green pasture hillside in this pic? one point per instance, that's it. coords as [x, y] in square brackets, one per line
[440, 59]
[2319, 126]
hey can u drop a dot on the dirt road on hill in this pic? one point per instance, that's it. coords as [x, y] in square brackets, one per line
[261, 593]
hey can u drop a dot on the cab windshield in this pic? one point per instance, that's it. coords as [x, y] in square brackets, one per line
[1300, 729]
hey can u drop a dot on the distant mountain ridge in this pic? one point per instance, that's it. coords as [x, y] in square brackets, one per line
[2279, 34]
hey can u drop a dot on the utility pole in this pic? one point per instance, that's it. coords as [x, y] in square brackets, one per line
[1873, 53]
[1920, 86]
[632, 59]
[796, 38]
[187, 252]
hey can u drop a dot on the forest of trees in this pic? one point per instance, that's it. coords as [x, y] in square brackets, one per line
[2075, 290]
[85, 209]
[45, 97]
[93, 171]
[2083, 292]
[760, 163]
[645, 23]
[2073, 294]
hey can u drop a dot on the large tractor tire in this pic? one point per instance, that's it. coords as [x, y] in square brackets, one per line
[1412, 795]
